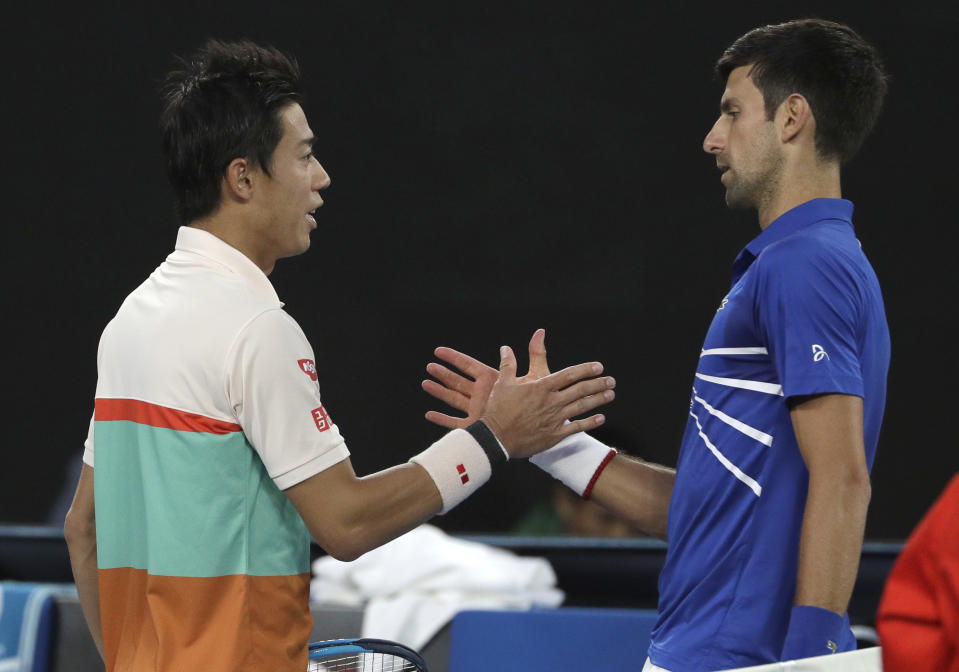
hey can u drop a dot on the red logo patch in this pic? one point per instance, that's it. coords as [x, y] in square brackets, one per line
[308, 367]
[461, 470]
[322, 419]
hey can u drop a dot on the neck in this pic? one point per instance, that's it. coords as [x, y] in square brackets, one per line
[799, 186]
[229, 227]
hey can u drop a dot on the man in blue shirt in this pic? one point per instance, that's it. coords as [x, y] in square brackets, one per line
[766, 509]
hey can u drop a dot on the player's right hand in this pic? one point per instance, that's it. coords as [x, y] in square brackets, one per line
[469, 391]
[529, 416]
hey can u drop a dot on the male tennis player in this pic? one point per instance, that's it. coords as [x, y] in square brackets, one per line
[765, 511]
[212, 446]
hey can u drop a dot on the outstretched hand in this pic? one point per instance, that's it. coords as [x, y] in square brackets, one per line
[529, 417]
[527, 414]
[469, 391]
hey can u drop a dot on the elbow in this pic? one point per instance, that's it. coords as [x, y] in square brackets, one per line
[343, 544]
[858, 484]
[344, 553]
[79, 530]
[857, 489]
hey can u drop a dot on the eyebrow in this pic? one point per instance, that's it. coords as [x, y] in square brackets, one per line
[727, 104]
[307, 141]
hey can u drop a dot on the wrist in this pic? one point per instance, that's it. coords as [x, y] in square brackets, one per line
[576, 461]
[487, 440]
[461, 462]
[814, 631]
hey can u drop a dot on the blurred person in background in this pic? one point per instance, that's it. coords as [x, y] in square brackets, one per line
[918, 618]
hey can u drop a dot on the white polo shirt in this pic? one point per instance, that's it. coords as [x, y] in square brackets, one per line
[207, 407]
[207, 334]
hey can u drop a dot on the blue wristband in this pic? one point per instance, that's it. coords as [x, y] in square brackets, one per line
[816, 632]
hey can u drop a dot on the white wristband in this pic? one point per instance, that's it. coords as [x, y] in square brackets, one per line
[576, 461]
[458, 465]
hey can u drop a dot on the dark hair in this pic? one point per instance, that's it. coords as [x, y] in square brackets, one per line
[221, 103]
[829, 64]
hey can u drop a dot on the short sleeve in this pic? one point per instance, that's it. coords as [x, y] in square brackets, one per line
[808, 310]
[88, 445]
[273, 386]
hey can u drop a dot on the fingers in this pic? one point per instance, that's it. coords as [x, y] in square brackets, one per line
[463, 362]
[450, 379]
[583, 405]
[507, 363]
[572, 374]
[584, 425]
[586, 395]
[586, 388]
[444, 420]
[450, 397]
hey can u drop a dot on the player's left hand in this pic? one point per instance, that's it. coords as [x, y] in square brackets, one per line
[469, 391]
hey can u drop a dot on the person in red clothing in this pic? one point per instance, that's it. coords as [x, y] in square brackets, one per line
[918, 617]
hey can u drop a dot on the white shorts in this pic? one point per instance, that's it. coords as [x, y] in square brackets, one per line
[649, 667]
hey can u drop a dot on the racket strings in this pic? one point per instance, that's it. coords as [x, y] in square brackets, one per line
[362, 662]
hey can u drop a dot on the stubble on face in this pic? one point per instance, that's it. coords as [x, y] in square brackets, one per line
[756, 172]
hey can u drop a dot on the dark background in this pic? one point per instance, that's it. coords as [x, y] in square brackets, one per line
[496, 168]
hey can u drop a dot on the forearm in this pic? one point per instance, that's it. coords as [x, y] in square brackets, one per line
[83, 560]
[831, 540]
[349, 516]
[636, 491]
[390, 503]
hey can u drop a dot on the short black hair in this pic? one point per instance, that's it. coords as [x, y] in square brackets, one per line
[221, 103]
[836, 70]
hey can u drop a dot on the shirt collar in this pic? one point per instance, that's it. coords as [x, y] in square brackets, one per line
[790, 222]
[205, 244]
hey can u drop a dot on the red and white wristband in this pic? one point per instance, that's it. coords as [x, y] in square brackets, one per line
[576, 461]
[461, 461]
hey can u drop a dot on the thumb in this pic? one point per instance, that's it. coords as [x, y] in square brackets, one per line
[507, 362]
[538, 367]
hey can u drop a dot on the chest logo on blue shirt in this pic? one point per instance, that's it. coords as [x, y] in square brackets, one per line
[818, 354]
[723, 304]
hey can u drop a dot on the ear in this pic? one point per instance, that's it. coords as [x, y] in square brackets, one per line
[795, 116]
[238, 179]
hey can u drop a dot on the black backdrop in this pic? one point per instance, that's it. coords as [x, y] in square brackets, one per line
[496, 168]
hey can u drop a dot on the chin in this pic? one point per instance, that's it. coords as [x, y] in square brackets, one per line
[296, 251]
[738, 200]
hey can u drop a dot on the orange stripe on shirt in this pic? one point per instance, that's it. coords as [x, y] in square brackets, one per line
[233, 623]
[145, 413]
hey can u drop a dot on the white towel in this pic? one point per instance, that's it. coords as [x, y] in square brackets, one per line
[414, 585]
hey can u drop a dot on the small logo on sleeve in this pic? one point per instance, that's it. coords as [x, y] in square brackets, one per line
[321, 418]
[818, 354]
[464, 477]
[308, 367]
[831, 645]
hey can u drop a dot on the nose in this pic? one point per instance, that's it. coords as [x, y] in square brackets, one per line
[321, 179]
[715, 140]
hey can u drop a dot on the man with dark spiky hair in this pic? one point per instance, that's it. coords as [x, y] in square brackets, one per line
[766, 509]
[215, 457]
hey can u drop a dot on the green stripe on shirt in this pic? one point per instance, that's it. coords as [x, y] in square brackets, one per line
[191, 504]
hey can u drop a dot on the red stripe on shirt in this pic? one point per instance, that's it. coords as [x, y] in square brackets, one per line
[146, 413]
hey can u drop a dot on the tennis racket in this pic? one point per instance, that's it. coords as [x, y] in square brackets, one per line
[363, 655]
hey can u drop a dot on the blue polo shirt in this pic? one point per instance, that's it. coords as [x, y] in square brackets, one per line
[804, 316]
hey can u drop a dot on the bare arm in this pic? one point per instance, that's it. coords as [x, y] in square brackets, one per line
[830, 436]
[80, 531]
[349, 516]
[637, 491]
